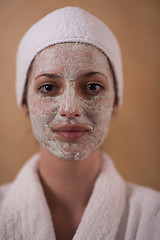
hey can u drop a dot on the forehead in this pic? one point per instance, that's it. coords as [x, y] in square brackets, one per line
[71, 56]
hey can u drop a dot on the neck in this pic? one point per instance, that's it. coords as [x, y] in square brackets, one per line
[68, 183]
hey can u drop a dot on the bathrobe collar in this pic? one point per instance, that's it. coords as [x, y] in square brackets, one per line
[25, 213]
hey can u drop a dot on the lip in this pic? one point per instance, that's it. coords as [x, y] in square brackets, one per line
[71, 132]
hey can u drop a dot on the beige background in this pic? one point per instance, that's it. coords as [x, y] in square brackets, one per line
[134, 139]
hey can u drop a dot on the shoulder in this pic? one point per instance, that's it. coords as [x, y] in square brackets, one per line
[3, 191]
[143, 211]
[144, 201]
[142, 196]
[26, 172]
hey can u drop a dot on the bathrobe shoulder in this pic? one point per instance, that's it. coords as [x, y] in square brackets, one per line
[116, 210]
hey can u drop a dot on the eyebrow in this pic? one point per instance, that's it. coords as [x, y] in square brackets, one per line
[90, 74]
[49, 75]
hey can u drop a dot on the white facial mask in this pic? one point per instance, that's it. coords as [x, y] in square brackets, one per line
[69, 61]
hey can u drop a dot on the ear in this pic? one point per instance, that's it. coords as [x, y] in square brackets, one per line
[25, 109]
[115, 110]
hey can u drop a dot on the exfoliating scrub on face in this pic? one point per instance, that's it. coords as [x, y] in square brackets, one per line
[70, 99]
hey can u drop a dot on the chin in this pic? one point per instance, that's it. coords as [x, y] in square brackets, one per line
[72, 156]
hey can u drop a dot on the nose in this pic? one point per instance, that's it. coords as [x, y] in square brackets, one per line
[70, 107]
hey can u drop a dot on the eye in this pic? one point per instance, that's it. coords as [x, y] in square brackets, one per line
[94, 88]
[48, 89]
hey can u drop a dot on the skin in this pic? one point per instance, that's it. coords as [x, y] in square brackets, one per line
[62, 91]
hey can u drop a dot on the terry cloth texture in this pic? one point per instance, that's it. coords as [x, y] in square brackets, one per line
[69, 24]
[116, 210]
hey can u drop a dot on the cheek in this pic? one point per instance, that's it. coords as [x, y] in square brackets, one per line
[99, 110]
[40, 106]
[41, 113]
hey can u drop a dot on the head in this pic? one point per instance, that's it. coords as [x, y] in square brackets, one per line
[71, 91]
[70, 86]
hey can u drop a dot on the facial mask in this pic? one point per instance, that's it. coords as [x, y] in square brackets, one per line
[70, 107]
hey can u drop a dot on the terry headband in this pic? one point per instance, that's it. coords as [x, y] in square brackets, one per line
[69, 24]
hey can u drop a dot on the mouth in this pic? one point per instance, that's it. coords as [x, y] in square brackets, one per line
[71, 132]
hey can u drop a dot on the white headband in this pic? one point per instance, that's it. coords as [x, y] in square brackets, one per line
[69, 24]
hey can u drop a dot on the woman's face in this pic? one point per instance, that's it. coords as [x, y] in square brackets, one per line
[70, 96]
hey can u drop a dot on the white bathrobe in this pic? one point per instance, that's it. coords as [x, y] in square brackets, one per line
[116, 209]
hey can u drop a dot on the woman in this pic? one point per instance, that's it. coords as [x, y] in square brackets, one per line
[69, 83]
